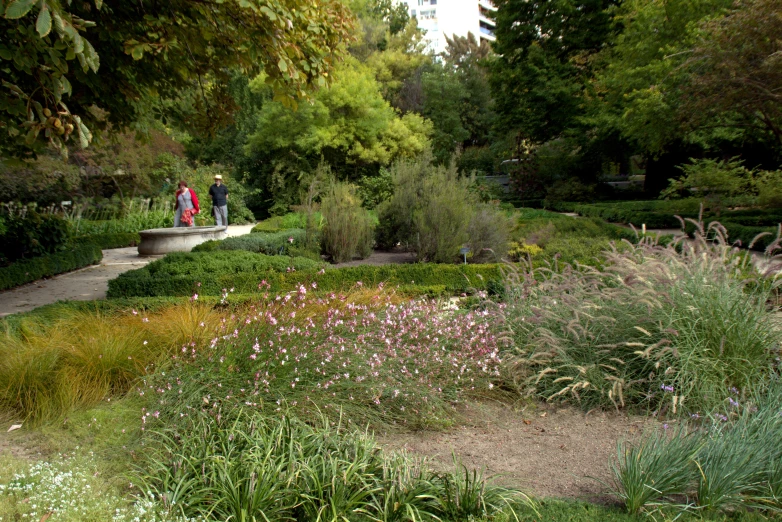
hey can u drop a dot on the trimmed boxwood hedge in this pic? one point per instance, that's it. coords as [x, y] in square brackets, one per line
[269, 243]
[30, 270]
[112, 240]
[180, 279]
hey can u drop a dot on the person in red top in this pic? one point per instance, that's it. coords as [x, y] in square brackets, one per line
[186, 206]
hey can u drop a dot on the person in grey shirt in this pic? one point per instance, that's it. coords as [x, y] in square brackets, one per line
[219, 194]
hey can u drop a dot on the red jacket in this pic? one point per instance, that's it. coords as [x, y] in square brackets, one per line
[193, 197]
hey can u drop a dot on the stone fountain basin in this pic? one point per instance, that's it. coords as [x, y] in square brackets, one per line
[157, 241]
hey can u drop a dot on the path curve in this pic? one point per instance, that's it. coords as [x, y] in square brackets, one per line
[86, 284]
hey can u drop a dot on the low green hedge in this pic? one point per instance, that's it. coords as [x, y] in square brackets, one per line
[744, 235]
[110, 240]
[178, 278]
[270, 243]
[30, 270]
[662, 213]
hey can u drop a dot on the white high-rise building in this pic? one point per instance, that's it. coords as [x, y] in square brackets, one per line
[452, 17]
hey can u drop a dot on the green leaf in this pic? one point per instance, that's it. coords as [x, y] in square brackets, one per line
[98, 4]
[58, 89]
[58, 23]
[137, 52]
[78, 44]
[268, 12]
[18, 8]
[44, 23]
[92, 57]
[31, 135]
[85, 136]
[282, 65]
[5, 54]
[66, 86]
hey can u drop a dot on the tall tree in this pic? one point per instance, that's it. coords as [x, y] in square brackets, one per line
[348, 124]
[544, 56]
[736, 70]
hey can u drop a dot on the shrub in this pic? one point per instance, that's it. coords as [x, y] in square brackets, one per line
[443, 216]
[430, 211]
[769, 187]
[373, 190]
[267, 225]
[182, 273]
[715, 179]
[271, 244]
[347, 233]
[645, 330]
[571, 189]
[27, 233]
[566, 239]
[488, 233]
[29, 270]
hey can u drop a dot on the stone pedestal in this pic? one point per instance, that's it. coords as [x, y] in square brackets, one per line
[159, 241]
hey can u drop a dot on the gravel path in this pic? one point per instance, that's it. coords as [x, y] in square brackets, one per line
[87, 284]
[541, 449]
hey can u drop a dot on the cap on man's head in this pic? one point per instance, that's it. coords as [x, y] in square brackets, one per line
[218, 176]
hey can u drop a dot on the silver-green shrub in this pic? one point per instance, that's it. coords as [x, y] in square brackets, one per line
[434, 212]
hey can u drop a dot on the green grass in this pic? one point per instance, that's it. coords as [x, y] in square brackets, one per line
[726, 462]
[551, 510]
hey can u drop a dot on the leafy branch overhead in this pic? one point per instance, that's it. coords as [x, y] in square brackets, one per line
[150, 50]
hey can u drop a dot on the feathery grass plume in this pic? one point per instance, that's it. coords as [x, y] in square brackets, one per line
[663, 327]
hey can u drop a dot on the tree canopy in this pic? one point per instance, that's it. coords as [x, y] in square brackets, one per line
[131, 52]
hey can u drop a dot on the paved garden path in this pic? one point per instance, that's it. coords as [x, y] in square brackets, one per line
[86, 284]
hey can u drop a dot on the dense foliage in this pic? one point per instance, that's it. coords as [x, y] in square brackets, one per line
[149, 50]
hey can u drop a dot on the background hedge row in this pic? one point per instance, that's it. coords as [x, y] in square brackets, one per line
[29, 270]
[110, 240]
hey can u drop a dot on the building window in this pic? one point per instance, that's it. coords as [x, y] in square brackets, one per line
[432, 2]
[412, 13]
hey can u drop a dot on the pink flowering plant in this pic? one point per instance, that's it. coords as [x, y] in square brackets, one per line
[379, 361]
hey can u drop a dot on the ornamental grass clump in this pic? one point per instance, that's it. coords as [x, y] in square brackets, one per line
[664, 328]
[49, 366]
[348, 230]
[243, 464]
[724, 461]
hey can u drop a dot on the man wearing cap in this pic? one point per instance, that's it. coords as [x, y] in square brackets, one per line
[219, 201]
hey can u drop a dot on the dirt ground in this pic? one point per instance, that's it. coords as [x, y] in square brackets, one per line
[541, 450]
